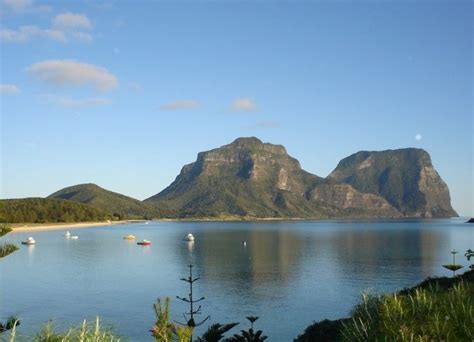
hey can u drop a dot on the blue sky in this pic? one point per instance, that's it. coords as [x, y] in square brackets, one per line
[123, 94]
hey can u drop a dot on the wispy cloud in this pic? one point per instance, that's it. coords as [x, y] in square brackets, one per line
[23, 6]
[9, 89]
[77, 103]
[17, 4]
[72, 21]
[244, 104]
[25, 33]
[180, 104]
[73, 73]
[66, 27]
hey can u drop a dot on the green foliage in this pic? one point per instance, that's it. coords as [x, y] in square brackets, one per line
[6, 248]
[324, 331]
[4, 229]
[10, 323]
[120, 206]
[42, 210]
[86, 332]
[165, 331]
[216, 332]
[249, 335]
[422, 315]
[435, 307]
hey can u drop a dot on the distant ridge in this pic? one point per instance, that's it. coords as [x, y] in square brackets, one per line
[114, 203]
[249, 179]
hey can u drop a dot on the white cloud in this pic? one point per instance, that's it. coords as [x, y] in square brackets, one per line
[17, 5]
[77, 103]
[180, 104]
[9, 89]
[66, 26]
[25, 33]
[418, 137]
[23, 6]
[69, 72]
[72, 21]
[244, 103]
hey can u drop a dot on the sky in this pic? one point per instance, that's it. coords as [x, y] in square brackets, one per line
[124, 93]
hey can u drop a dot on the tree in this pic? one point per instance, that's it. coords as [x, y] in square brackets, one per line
[216, 332]
[453, 267]
[6, 249]
[165, 331]
[250, 335]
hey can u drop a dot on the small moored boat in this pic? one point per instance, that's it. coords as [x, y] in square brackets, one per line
[144, 243]
[29, 241]
[74, 237]
[67, 234]
[129, 237]
[189, 237]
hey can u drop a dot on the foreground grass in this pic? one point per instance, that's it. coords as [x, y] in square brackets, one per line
[436, 309]
[6, 248]
[86, 332]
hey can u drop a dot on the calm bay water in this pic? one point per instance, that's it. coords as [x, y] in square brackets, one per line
[289, 273]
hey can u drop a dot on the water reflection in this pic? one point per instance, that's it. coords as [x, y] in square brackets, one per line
[289, 273]
[267, 255]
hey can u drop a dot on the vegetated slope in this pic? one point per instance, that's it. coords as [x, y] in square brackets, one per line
[435, 309]
[114, 203]
[248, 178]
[406, 178]
[251, 179]
[42, 210]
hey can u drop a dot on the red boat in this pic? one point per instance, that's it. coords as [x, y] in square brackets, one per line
[144, 243]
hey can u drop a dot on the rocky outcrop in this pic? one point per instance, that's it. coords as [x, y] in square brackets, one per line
[344, 196]
[256, 179]
[406, 178]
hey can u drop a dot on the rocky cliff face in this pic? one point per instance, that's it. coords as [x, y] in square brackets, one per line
[405, 178]
[255, 179]
[244, 178]
[344, 196]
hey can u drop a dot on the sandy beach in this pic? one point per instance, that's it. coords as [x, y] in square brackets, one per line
[37, 227]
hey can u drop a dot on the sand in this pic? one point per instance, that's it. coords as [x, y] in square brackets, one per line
[37, 227]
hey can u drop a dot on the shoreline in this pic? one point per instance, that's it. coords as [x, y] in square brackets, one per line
[38, 227]
[30, 227]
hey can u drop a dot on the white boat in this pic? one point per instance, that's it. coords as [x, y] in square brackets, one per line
[67, 234]
[74, 237]
[189, 237]
[29, 241]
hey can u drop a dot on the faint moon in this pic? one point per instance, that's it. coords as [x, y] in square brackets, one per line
[418, 137]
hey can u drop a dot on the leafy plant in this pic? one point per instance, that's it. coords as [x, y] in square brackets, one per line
[216, 332]
[453, 267]
[165, 331]
[422, 315]
[10, 323]
[469, 253]
[249, 335]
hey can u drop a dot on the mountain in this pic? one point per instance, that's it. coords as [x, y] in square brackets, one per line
[41, 210]
[111, 202]
[249, 178]
[406, 178]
